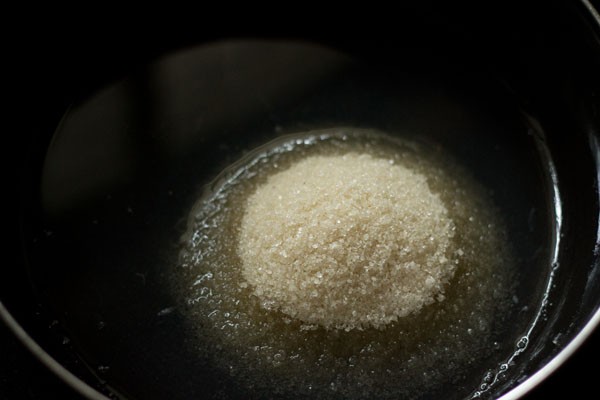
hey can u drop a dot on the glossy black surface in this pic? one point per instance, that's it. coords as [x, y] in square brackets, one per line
[536, 59]
[22, 377]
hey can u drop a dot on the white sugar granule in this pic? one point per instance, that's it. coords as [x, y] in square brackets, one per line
[346, 241]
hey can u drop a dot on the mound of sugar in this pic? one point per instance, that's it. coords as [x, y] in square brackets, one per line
[347, 241]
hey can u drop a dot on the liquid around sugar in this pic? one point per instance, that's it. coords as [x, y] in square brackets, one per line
[443, 349]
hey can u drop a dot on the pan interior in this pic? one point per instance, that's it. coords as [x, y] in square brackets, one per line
[126, 166]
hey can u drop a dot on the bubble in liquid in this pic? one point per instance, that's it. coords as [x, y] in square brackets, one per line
[272, 352]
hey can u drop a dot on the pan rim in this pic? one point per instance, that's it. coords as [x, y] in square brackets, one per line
[517, 392]
[45, 358]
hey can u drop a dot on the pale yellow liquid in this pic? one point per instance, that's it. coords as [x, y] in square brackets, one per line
[444, 348]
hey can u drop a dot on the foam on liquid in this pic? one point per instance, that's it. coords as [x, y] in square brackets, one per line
[443, 348]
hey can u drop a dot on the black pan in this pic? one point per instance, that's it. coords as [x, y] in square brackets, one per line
[109, 169]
